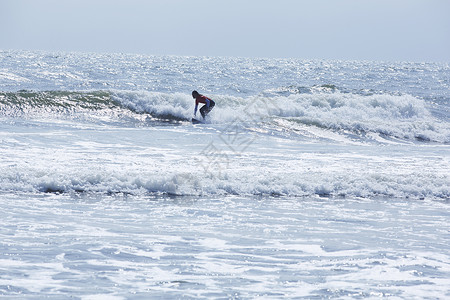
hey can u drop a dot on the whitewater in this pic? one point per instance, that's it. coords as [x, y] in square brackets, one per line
[310, 178]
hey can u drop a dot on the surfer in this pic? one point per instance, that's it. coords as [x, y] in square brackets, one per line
[209, 104]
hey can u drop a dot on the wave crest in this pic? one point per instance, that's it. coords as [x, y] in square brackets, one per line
[327, 108]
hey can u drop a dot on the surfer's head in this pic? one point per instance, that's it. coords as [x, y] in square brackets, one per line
[195, 94]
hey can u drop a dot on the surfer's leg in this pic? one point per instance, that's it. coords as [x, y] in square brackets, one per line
[203, 111]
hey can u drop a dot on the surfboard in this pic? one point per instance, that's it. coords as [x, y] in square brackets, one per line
[195, 121]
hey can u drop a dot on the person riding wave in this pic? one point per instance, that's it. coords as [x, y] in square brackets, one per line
[206, 109]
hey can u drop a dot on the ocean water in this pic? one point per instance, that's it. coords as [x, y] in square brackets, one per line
[310, 178]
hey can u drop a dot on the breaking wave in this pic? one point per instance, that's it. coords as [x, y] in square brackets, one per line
[325, 107]
[253, 182]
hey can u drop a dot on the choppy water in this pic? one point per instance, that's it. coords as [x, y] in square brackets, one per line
[227, 247]
[310, 179]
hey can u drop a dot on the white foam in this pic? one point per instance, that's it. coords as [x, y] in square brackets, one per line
[142, 161]
[403, 116]
[177, 104]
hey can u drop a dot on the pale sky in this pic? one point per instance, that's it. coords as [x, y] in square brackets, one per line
[387, 30]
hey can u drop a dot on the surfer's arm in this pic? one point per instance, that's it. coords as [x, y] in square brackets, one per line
[207, 102]
[195, 109]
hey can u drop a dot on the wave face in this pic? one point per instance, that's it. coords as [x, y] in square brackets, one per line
[26, 103]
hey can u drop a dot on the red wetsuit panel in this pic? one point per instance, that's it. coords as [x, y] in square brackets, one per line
[201, 99]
